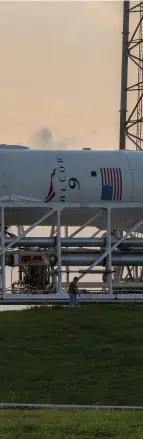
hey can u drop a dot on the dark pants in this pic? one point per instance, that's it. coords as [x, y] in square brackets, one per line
[73, 299]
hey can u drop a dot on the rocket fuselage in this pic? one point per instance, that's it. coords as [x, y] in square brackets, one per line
[72, 177]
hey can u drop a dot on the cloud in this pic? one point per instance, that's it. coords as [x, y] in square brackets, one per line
[43, 138]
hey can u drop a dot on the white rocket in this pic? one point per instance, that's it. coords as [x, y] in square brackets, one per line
[84, 176]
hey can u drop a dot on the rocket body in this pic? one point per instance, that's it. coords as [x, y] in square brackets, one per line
[72, 177]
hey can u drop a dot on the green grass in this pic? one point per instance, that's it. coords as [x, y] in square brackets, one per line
[89, 355]
[71, 425]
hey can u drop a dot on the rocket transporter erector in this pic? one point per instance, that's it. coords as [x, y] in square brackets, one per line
[84, 176]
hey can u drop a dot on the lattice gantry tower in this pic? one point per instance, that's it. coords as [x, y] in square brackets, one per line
[131, 109]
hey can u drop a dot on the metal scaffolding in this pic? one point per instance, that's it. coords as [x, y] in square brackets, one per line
[58, 208]
[132, 77]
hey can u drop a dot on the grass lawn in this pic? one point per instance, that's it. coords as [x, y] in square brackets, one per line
[71, 425]
[89, 355]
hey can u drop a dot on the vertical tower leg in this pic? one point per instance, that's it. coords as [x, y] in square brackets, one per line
[124, 75]
[67, 268]
[3, 251]
[59, 284]
[110, 253]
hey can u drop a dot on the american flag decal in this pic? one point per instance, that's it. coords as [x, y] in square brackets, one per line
[111, 184]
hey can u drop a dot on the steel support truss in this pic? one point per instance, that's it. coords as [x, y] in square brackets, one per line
[58, 209]
[132, 74]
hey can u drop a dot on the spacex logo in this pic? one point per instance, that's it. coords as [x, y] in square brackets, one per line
[51, 193]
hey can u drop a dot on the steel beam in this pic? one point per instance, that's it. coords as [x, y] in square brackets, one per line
[106, 253]
[124, 75]
[70, 242]
[3, 250]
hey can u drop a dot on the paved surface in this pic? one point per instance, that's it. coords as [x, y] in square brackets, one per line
[49, 299]
[68, 407]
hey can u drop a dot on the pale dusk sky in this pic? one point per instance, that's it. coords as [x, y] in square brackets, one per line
[60, 69]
